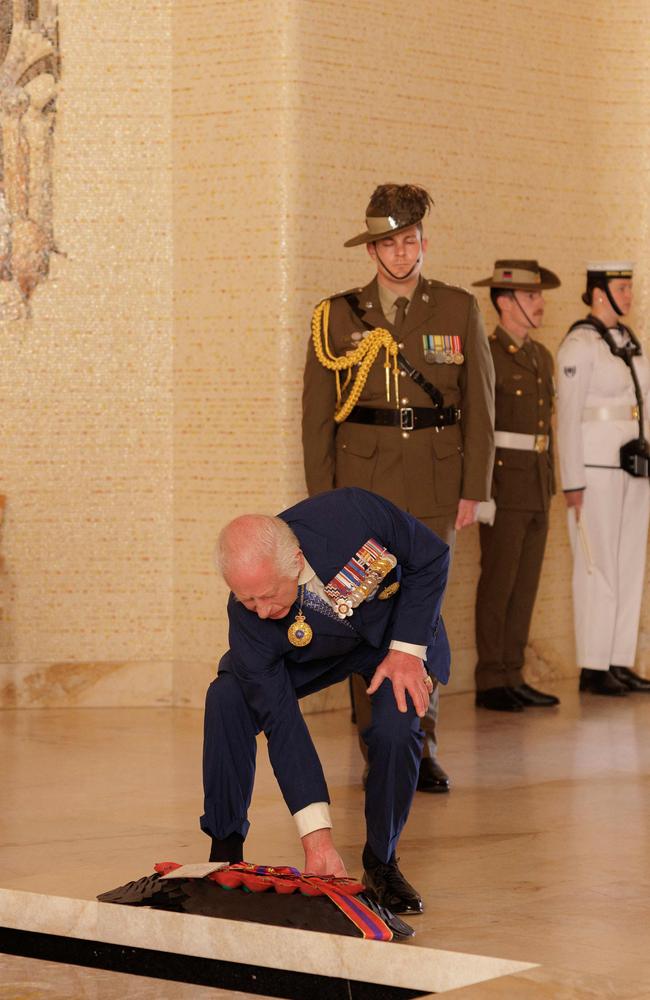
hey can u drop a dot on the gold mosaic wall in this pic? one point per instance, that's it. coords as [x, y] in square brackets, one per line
[86, 403]
[210, 159]
[526, 121]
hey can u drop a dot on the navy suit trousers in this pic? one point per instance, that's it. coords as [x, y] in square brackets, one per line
[393, 738]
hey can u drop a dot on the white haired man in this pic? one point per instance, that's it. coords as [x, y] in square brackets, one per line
[341, 583]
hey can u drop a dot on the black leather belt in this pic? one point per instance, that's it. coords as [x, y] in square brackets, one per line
[408, 418]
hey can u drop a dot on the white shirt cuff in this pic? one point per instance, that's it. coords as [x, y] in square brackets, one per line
[315, 816]
[409, 647]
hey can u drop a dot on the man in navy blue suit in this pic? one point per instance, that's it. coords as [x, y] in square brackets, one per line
[342, 583]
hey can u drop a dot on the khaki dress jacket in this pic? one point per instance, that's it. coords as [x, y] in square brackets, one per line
[425, 471]
[525, 393]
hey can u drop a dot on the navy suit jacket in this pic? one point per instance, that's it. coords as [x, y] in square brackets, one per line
[331, 528]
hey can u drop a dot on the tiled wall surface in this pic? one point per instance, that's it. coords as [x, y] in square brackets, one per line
[528, 124]
[86, 402]
[210, 161]
[234, 447]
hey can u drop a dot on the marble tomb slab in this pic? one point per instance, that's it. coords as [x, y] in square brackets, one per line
[402, 966]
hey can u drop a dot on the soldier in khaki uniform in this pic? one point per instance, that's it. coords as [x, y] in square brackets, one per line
[398, 394]
[513, 537]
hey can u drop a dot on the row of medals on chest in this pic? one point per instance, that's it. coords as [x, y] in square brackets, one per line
[447, 357]
[300, 633]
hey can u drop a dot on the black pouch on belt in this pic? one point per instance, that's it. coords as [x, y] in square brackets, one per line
[635, 458]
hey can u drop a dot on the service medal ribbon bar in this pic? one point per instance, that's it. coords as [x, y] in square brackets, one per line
[360, 577]
[442, 350]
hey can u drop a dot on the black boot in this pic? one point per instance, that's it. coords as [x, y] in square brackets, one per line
[601, 682]
[630, 680]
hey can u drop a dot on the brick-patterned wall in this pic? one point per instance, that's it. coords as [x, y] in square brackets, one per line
[210, 161]
[86, 402]
[527, 123]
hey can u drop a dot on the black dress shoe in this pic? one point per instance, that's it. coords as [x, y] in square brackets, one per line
[629, 679]
[431, 777]
[500, 699]
[528, 695]
[389, 885]
[601, 682]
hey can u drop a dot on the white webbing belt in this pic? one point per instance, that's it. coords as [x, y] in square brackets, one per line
[521, 442]
[610, 413]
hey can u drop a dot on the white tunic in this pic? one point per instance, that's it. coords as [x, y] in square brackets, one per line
[595, 405]
[591, 378]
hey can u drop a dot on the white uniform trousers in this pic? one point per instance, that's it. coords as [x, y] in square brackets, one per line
[609, 567]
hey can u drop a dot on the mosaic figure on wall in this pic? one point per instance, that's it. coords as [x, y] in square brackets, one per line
[29, 71]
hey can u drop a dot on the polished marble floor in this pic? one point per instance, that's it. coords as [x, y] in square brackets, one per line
[540, 853]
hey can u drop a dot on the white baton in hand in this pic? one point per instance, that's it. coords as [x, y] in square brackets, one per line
[584, 541]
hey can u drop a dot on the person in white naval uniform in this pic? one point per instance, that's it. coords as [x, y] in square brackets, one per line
[603, 393]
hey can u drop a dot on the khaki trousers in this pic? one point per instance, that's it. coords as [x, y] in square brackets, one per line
[443, 526]
[512, 552]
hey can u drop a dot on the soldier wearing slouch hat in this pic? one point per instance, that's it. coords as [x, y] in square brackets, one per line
[398, 393]
[515, 524]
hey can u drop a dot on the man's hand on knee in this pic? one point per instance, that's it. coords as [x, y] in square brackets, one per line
[407, 674]
[321, 857]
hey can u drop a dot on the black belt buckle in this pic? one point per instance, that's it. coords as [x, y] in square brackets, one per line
[407, 418]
